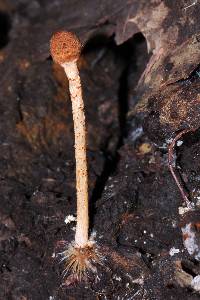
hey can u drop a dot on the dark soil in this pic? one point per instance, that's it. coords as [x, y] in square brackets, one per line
[150, 250]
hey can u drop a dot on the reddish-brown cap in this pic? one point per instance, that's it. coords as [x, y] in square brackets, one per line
[65, 47]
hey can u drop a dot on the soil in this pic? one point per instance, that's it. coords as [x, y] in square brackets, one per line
[137, 98]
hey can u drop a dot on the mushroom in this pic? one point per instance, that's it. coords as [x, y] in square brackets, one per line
[80, 255]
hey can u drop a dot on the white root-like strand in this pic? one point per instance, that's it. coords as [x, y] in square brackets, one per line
[80, 261]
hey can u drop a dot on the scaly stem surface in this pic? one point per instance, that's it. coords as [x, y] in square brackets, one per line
[71, 70]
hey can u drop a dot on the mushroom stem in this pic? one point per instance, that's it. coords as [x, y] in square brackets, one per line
[71, 70]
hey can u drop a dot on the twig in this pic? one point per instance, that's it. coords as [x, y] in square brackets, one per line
[172, 169]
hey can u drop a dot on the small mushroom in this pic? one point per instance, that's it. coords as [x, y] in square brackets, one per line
[65, 49]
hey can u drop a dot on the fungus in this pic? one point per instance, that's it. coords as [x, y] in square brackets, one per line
[80, 255]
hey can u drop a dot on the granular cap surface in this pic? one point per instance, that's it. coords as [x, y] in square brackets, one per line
[65, 47]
